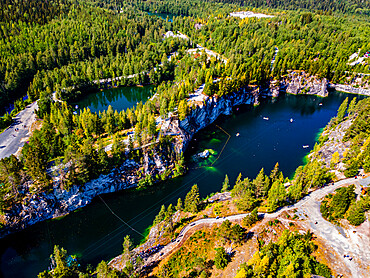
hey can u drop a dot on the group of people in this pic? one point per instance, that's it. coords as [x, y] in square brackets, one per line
[146, 253]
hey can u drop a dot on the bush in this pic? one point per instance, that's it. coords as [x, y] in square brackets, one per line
[251, 219]
[221, 258]
[351, 170]
[356, 214]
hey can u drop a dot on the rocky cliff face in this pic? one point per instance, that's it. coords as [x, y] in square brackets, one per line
[350, 89]
[36, 208]
[211, 109]
[297, 82]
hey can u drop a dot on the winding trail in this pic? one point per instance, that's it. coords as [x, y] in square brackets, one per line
[354, 244]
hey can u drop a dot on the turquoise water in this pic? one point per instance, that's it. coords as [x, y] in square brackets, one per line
[119, 98]
[94, 233]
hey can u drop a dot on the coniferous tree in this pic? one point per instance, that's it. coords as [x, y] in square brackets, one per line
[192, 200]
[225, 184]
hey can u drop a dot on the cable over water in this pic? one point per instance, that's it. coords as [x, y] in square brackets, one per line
[120, 217]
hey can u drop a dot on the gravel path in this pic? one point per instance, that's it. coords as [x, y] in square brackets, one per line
[11, 140]
[357, 245]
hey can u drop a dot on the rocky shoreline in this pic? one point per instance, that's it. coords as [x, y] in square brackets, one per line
[350, 89]
[39, 207]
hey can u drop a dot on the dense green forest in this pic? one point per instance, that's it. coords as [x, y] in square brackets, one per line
[68, 54]
[62, 49]
[346, 6]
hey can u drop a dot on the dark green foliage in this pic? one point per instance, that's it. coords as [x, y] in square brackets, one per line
[251, 219]
[350, 6]
[32, 11]
[36, 158]
[11, 172]
[5, 121]
[356, 214]
[335, 206]
[230, 232]
[65, 267]
[352, 169]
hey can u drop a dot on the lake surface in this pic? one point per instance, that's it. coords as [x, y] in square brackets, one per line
[119, 98]
[96, 234]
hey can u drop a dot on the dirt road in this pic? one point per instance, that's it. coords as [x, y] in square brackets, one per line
[356, 245]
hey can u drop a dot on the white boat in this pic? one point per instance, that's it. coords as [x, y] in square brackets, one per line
[320, 104]
[238, 134]
[266, 118]
[291, 120]
[305, 146]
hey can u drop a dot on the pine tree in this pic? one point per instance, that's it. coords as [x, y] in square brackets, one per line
[179, 205]
[225, 184]
[192, 200]
[127, 246]
[352, 107]
[261, 184]
[276, 174]
[276, 195]
[342, 111]
[160, 216]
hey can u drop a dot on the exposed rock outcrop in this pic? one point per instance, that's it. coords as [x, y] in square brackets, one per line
[298, 82]
[38, 207]
[211, 109]
[350, 89]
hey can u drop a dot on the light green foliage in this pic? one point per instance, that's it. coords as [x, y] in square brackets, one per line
[276, 196]
[261, 184]
[221, 258]
[243, 192]
[179, 204]
[192, 200]
[225, 184]
[290, 256]
[352, 107]
[276, 174]
[342, 111]
[127, 246]
[160, 216]
[312, 175]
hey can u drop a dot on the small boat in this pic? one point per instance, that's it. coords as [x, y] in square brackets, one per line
[320, 104]
[238, 134]
[305, 146]
[266, 118]
[291, 120]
